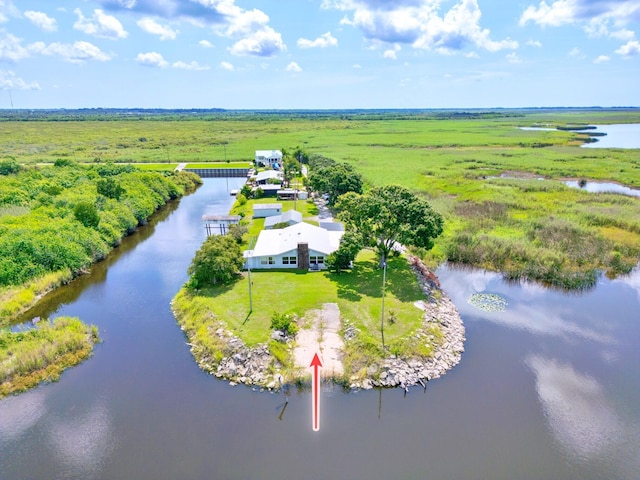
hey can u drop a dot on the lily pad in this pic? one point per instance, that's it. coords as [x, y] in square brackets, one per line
[488, 302]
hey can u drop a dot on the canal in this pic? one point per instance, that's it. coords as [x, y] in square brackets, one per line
[547, 389]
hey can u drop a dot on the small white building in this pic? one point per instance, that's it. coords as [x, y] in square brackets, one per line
[298, 246]
[264, 210]
[290, 217]
[268, 157]
[262, 178]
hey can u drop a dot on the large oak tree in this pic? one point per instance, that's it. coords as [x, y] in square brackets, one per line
[389, 216]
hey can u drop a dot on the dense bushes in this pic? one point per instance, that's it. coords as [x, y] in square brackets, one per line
[69, 224]
[218, 261]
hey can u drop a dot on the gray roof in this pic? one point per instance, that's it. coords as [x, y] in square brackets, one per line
[266, 206]
[290, 217]
[332, 226]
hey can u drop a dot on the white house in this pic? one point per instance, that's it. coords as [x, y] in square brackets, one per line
[264, 210]
[299, 246]
[291, 217]
[268, 157]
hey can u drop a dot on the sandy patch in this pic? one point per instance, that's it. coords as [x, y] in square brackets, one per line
[323, 338]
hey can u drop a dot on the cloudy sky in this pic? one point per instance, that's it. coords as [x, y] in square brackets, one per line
[254, 54]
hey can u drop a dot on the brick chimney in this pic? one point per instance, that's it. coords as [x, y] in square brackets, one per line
[303, 255]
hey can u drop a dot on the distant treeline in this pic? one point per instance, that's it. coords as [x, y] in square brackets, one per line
[112, 114]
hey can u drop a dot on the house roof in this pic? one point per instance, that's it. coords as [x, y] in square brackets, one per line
[269, 153]
[266, 206]
[290, 216]
[266, 175]
[277, 242]
[332, 226]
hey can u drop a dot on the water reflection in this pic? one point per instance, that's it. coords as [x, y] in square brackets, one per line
[18, 414]
[83, 440]
[576, 407]
[525, 312]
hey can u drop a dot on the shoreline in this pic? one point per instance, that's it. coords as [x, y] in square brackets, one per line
[257, 367]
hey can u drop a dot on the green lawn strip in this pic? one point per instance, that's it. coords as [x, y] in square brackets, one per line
[358, 294]
[162, 167]
[43, 353]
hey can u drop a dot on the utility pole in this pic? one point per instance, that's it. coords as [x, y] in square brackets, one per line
[384, 281]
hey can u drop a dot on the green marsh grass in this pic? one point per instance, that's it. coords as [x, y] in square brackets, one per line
[42, 353]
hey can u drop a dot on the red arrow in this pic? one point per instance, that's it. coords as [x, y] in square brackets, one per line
[315, 392]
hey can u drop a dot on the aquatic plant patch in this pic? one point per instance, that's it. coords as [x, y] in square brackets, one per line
[488, 302]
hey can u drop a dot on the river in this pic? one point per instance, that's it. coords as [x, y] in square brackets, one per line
[548, 389]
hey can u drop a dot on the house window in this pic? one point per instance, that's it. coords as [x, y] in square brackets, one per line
[289, 260]
[267, 261]
[316, 259]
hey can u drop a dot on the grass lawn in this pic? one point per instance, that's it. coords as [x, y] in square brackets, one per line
[358, 294]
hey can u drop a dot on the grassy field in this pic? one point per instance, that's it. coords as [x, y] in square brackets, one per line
[455, 159]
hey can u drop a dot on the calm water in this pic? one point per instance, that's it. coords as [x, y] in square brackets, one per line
[618, 136]
[603, 187]
[549, 389]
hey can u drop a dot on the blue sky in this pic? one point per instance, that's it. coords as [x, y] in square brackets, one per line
[257, 54]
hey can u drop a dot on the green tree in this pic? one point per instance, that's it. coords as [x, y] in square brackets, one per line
[110, 188]
[335, 180]
[217, 261]
[387, 216]
[87, 214]
[9, 166]
[350, 246]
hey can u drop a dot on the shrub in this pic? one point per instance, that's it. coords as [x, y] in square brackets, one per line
[284, 322]
[87, 214]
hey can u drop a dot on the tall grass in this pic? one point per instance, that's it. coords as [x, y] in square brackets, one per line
[43, 353]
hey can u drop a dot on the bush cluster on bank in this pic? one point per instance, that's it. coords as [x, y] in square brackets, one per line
[72, 216]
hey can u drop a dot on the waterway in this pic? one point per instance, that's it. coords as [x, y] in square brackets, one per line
[549, 388]
[617, 136]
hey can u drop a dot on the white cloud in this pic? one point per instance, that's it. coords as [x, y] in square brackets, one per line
[9, 81]
[76, 52]
[42, 20]
[190, 66]
[534, 43]
[293, 67]
[418, 23]
[227, 66]
[248, 28]
[323, 41]
[629, 49]
[100, 25]
[152, 59]
[357, 66]
[7, 9]
[513, 58]
[205, 44]
[597, 17]
[390, 54]
[575, 52]
[263, 43]
[602, 59]
[149, 25]
[11, 48]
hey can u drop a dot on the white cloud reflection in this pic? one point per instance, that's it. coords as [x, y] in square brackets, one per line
[84, 441]
[582, 417]
[19, 413]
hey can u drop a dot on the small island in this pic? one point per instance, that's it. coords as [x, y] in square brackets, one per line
[374, 312]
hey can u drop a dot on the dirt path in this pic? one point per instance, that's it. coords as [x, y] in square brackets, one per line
[323, 338]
